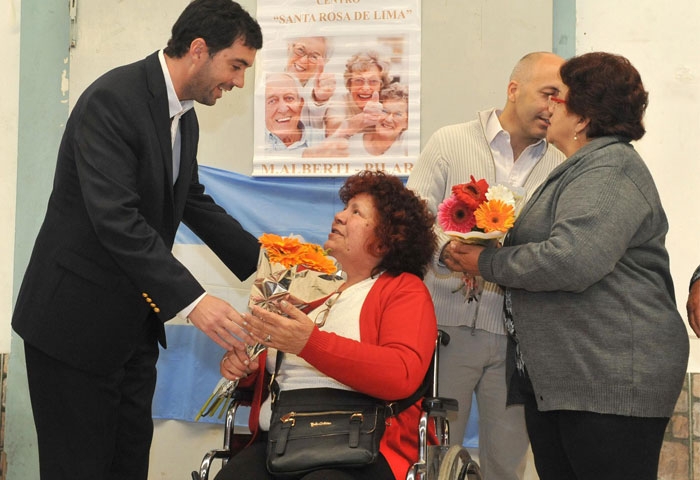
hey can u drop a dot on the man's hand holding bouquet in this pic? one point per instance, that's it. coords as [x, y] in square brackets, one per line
[478, 213]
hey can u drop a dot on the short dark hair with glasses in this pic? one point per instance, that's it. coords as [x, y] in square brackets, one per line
[405, 224]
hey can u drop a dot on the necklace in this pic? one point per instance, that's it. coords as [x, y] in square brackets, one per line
[322, 315]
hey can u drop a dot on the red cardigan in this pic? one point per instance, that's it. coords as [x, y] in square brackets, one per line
[397, 330]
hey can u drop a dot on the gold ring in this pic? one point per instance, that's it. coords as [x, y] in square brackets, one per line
[268, 339]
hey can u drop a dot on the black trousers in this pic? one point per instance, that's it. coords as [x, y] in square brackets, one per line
[249, 464]
[581, 445]
[94, 427]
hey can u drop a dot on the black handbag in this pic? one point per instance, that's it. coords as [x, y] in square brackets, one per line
[315, 428]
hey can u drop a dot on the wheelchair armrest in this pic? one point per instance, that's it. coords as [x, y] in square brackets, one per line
[443, 338]
[210, 456]
[439, 404]
[232, 441]
[244, 396]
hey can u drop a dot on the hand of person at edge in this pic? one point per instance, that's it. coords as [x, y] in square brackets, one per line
[461, 257]
[287, 333]
[693, 307]
[220, 322]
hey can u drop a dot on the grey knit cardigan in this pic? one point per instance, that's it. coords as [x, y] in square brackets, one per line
[592, 295]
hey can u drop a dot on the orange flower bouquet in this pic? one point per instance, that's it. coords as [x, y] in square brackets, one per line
[479, 213]
[288, 269]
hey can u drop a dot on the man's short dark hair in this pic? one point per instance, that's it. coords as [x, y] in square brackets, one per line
[219, 22]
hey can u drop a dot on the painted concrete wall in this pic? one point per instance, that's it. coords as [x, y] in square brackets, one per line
[9, 117]
[43, 100]
[662, 44]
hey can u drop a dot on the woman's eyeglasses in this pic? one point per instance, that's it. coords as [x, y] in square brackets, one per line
[361, 82]
[396, 115]
[322, 315]
[552, 101]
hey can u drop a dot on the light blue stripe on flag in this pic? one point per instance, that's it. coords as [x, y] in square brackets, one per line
[302, 206]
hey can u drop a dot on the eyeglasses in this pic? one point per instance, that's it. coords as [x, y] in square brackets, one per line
[397, 115]
[322, 315]
[552, 101]
[361, 82]
[300, 52]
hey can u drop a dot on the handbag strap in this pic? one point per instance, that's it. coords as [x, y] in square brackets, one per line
[401, 405]
[392, 408]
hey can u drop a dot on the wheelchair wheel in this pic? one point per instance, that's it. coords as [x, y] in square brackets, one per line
[457, 464]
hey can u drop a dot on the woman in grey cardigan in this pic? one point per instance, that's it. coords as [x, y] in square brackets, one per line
[599, 351]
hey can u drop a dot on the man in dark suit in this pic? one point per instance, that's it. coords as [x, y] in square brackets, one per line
[102, 278]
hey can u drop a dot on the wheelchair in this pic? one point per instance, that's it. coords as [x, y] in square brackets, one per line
[435, 462]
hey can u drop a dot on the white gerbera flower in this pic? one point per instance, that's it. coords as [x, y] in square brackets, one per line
[502, 193]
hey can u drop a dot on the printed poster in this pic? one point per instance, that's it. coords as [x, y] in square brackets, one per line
[337, 87]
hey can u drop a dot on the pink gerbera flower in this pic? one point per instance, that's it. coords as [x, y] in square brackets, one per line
[455, 216]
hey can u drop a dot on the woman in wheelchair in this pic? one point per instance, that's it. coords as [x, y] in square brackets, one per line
[375, 335]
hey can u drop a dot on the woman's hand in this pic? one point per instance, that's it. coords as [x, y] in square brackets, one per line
[462, 257]
[324, 87]
[288, 334]
[693, 307]
[373, 112]
[236, 364]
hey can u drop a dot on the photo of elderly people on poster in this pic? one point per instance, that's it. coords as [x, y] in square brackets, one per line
[284, 103]
[306, 60]
[386, 136]
[337, 97]
[284, 129]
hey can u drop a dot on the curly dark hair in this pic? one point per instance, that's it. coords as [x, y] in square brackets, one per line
[405, 226]
[606, 89]
[219, 22]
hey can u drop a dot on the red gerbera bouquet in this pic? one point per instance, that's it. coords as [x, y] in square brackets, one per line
[477, 213]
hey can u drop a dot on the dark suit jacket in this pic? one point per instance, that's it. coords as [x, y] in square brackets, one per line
[102, 262]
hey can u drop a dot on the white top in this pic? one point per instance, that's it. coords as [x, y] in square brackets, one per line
[508, 170]
[176, 110]
[343, 319]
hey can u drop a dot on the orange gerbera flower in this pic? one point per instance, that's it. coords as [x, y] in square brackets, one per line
[290, 252]
[494, 215]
